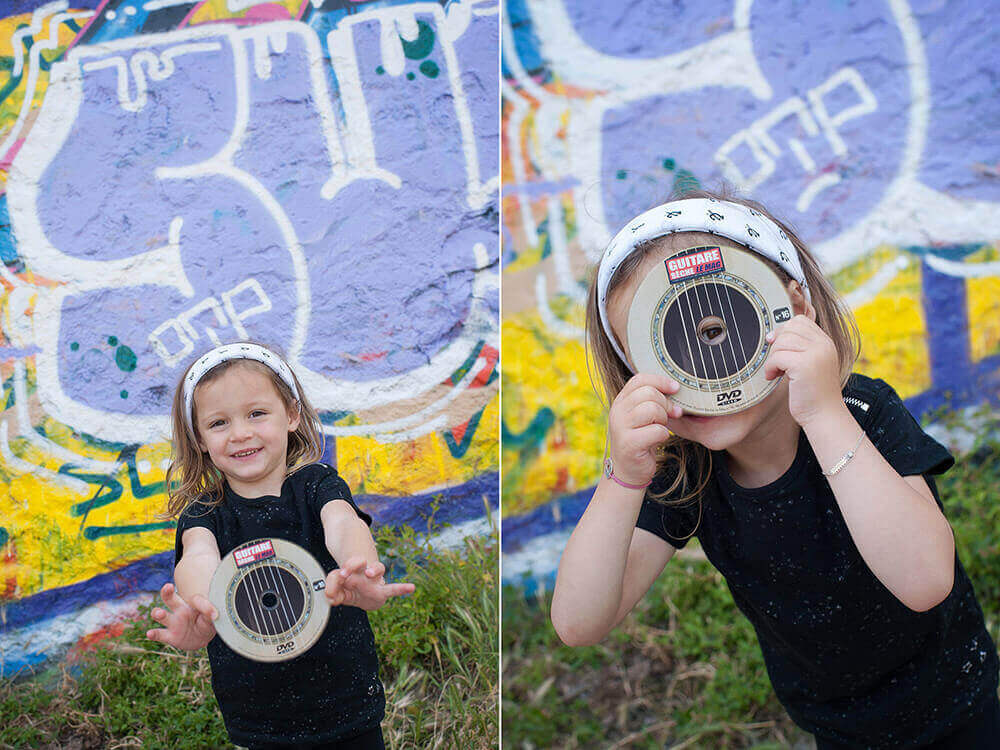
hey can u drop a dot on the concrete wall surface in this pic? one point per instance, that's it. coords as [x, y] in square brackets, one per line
[871, 127]
[319, 176]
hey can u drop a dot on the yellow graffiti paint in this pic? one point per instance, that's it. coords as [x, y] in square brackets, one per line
[414, 466]
[893, 330]
[983, 300]
[542, 371]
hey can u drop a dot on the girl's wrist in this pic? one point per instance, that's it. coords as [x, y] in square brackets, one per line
[627, 482]
[831, 411]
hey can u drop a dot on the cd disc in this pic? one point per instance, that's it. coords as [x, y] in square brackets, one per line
[271, 601]
[701, 317]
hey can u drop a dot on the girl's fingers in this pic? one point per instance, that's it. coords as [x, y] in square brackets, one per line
[204, 607]
[169, 595]
[398, 589]
[334, 589]
[352, 566]
[644, 438]
[648, 413]
[790, 340]
[778, 363]
[375, 571]
[642, 396]
[660, 383]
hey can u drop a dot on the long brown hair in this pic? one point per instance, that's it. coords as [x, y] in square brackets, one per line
[192, 475]
[691, 461]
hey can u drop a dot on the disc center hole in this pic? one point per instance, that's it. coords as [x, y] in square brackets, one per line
[712, 330]
[269, 600]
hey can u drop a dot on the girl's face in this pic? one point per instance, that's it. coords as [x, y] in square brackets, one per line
[718, 432]
[243, 425]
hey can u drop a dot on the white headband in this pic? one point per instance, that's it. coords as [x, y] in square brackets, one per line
[734, 221]
[224, 353]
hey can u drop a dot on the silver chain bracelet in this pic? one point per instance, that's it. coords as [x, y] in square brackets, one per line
[845, 459]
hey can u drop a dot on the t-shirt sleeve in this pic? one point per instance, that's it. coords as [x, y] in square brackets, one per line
[331, 486]
[674, 523]
[196, 514]
[900, 438]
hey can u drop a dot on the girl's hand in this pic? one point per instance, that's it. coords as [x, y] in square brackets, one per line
[187, 627]
[637, 424]
[806, 355]
[358, 584]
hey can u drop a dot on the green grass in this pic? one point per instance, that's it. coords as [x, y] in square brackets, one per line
[437, 649]
[685, 668]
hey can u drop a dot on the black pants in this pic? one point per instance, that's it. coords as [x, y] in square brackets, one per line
[370, 740]
[981, 732]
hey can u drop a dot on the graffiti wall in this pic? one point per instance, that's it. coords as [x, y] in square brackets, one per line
[868, 126]
[319, 175]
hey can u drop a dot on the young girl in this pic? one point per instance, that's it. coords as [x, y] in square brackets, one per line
[816, 504]
[245, 446]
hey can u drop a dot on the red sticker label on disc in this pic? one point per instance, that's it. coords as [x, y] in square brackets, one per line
[691, 264]
[253, 553]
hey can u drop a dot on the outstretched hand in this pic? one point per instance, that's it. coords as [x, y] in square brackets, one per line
[358, 584]
[188, 626]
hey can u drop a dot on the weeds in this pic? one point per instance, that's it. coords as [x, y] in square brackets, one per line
[437, 649]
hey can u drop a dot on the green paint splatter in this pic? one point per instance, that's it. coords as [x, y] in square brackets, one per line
[669, 164]
[4, 536]
[96, 532]
[410, 76]
[113, 340]
[123, 394]
[74, 346]
[125, 359]
[621, 174]
[429, 68]
[380, 70]
[420, 47]
[685, 182]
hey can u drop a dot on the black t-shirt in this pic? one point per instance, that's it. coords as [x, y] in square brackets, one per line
[330, 692]
[848, 660]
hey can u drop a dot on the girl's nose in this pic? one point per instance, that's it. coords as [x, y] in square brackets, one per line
[241, 430]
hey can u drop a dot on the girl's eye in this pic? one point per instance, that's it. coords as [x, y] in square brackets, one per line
[257, 413]
[217, 423]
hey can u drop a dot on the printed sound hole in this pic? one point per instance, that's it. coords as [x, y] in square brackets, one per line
[711, 330]
[269, 600]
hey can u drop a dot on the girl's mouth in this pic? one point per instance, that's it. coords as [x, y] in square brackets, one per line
[246, 453]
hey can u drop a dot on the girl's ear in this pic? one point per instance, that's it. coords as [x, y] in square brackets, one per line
[294, 417]
[800, 304]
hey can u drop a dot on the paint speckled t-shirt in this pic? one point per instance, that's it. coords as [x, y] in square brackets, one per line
[848, 660]
[332, 691]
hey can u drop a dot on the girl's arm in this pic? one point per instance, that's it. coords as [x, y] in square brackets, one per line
[189, 622]
[193, 574]
[608, 565]
[606, 568]
[360, 579]
[897, 527]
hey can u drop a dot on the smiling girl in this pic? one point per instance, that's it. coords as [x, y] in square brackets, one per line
[246, 442]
